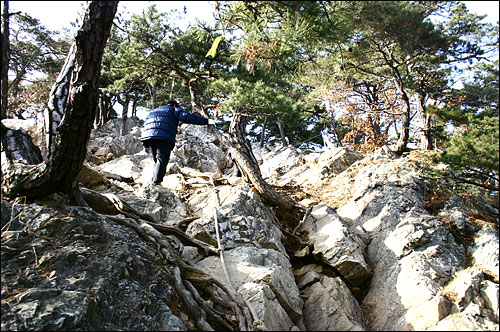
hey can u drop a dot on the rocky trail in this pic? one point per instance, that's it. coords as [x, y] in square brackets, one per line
[377, 246]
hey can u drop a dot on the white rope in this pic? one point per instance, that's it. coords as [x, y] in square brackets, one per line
[257, 324]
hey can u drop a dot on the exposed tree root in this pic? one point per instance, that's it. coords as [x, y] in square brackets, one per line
[185, 276]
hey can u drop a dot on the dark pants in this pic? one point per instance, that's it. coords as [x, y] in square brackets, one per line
[161, 150]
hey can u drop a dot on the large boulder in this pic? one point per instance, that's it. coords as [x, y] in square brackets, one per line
[474, 303]
[291, 168]
[242, 217]
[414, 254]
[33, 128]
[67, 268]
[18, 146]
[336, 245]
[196, 148]
[108, 143]
[329, 305]
[265, 279]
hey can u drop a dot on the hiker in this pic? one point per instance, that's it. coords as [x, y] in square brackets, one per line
[159, 131]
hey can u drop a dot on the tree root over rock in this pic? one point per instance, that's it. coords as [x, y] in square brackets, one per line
[185, 276]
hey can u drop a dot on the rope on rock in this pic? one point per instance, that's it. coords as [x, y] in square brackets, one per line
[257, 325]
[155, 233]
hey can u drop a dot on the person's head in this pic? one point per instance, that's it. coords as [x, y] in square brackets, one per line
[173, 103]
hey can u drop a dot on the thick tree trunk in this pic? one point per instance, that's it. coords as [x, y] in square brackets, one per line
[426, 136]
[238, 138]
[76, 96]
[56, 107]
[18, 145]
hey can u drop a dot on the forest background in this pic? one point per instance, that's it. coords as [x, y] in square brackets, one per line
[407, 75]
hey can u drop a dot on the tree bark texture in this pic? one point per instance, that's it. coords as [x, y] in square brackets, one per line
[237, 133]
[75, 99]
[104, 110]
[426, 134]
[405, 129]
[5, 59]
[237, 136]
[56, 107]
[18, 145]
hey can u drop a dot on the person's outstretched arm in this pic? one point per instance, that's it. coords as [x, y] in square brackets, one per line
[192, 118]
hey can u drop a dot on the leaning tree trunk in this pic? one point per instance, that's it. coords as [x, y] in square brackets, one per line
[244, 161]
[74, 103]
[237, 136]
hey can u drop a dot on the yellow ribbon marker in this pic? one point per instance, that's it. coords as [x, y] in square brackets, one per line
[214, 47]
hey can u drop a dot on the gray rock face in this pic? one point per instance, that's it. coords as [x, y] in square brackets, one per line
[72, 269]
[196, 148]
[329, 304]
[107, 143]
[372, 257]
[265, 278]
[31, 127]
[412, 255]
[336, 245]
[17, 144]
[242, 218]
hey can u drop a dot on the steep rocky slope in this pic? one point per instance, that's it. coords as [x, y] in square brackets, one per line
[376, 248]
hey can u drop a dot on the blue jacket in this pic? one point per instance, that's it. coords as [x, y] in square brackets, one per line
[162, 122]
